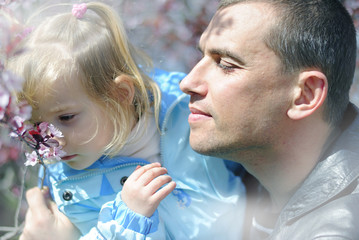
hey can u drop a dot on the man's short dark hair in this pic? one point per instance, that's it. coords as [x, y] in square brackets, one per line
[316, 34]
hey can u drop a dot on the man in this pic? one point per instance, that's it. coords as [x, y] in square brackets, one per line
[271, 92]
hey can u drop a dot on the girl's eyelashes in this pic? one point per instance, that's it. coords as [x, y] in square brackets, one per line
[66, 117]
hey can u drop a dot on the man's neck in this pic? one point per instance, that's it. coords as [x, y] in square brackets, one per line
[282, 171]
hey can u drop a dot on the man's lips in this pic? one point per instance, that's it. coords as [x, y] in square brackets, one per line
[69, 157]
[197, 114]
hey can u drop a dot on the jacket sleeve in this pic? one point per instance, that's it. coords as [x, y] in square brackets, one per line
[117, 221]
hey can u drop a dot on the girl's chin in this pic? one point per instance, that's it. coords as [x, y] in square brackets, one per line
[78, 164]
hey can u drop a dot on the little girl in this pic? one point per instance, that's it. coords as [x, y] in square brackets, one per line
[81, 74]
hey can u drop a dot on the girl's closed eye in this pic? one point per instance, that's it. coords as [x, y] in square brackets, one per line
[66, 117]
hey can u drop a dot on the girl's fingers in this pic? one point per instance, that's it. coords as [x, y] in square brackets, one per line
[141, 170]
[157, 183]
[163, 192]
[28, 216]
[151, 174]
[36, 200]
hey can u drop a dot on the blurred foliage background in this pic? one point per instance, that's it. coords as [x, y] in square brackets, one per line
[167, 30]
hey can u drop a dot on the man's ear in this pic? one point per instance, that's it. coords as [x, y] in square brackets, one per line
[125, 87]
[309, 94]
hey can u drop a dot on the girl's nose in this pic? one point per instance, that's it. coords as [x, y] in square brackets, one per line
[61, 141]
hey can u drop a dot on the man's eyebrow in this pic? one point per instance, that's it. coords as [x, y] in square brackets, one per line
[226, 53]
[222, 53]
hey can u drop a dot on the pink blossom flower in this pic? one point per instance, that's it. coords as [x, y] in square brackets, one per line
[52, 154]
[54, 131]
[56, 154]
[31, 159]
[17, 122]
[43, 126]
[43, 150]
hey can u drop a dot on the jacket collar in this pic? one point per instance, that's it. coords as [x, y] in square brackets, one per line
[335, 173]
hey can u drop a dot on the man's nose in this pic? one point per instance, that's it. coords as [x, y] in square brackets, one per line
[194, 82]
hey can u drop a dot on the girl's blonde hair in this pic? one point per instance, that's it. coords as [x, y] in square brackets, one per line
[94, 48]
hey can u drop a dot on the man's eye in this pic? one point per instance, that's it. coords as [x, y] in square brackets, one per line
[225, 65]
[67, 117]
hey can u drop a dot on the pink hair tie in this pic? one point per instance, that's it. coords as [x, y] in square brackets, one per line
[79, 10]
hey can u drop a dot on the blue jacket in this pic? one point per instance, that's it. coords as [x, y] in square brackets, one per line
[208, 202]
[80, 194]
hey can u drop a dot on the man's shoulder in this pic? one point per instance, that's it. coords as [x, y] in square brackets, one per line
[335, 218]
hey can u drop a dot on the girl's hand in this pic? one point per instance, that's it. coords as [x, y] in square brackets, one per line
[142, 191]
[44, 220]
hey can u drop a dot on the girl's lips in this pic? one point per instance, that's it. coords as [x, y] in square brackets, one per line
[69, 157]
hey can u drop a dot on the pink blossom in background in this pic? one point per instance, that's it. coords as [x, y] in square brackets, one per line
[14, 114]
[9, 152]
[4, 101]
[168, 30]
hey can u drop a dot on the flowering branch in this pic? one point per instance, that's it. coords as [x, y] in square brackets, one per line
[13, 116]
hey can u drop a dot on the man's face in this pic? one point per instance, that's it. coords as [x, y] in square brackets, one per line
[239, 95]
